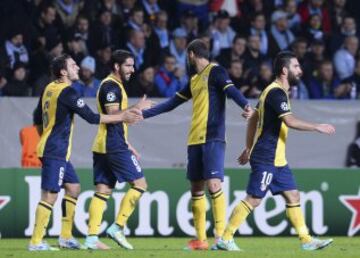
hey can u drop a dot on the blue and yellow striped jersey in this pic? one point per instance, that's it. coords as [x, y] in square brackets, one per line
[207, 89]
[271, 133]
[55, 112]
[111, 137]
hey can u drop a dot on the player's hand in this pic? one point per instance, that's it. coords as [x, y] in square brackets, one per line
[144, 103]
[248, 111]
[132, 116]
[325, 128]
[134, 152]
[244, 157]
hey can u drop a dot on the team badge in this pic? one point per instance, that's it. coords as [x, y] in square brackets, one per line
[80, 103]
[110, 96]
[284, 106]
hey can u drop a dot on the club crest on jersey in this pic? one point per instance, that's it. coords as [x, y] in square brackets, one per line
[80, 103]
[284, 106]
[110, 96]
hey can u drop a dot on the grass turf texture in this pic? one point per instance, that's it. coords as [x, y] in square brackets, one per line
[267, 247]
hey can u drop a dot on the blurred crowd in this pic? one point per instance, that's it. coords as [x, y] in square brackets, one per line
[243, 35]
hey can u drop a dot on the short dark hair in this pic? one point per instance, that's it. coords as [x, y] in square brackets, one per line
[199, 48]
[282, 60]
[58, 64]
[119, 57]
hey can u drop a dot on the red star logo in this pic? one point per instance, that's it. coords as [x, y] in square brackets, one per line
[352, 202]
[4, 200]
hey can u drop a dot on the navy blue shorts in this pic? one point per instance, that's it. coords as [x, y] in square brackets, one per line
[111, 167]
[206, 161]
[55, 173]
[264, 177]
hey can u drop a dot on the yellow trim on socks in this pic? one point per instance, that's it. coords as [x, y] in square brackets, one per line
[96, 210]
[219, 211]
[198, 206]
[238, 216]
[128, 204]
[68, 205]
[42, 217]
[296, 217]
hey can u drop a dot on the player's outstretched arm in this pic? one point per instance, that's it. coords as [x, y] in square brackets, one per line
[250, 136]
[129, 116]
[164, 107]
[144, 103]
[291, 121]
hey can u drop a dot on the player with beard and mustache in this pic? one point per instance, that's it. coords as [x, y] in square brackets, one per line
[115, 160]
[265, 149]
[209, 86]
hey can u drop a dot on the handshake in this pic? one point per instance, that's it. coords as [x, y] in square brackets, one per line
[133, 114]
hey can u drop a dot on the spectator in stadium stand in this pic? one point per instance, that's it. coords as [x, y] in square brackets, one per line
[126, 6]
[17, 85]
[310, 7]
[280, 36]
[313, 58]
[88, 85]
[258, 27]
[81, 30]
[76, 48]
[299, 47]
[169, 78]
[348, 28]
[103, 33]
[265, 75]
[293, 17]
[356, 78]
[312, 29]
[143, 83]
[44, 28]
[178, 47]
[236, 75]
[137, 46]
[199, 7]
[161, 37]
[136, 19]
[151, 8]
[236, 52]
[40, 64]
[252, 57]
[14, 50]
[103, 58]
[344, 58]
[68, 10]
[222, 34]
[325, 85]
[338, 13]
[190, 23]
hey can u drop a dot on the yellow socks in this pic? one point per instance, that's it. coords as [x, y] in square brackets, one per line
[198, 206]
[68, 206]
[96, 210]
[128, 204]
[219, 211]
[296, 217]
[238, 216]
[42, 217]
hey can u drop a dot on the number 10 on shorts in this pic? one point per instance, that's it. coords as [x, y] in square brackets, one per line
[266, 180]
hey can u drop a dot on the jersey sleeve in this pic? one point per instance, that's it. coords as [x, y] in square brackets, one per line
[110, 94]
[185, 93]
[75, 103]
[37, 115]
[279, 101]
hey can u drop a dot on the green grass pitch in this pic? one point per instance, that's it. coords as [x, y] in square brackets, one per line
[264, 247]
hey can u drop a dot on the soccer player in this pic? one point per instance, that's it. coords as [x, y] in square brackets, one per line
[206, 141]
[55, 114]
[265, 148]
[114, 157]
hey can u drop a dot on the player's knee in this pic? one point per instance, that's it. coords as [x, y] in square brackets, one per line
[254, 202]
[102, 188]
[49, 197]
[214, 185]
[140, 183]
[72, 190]
[292, 197]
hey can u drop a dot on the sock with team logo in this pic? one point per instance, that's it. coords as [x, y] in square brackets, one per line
[42, 217]
[238, 216]
[219, 211]
[96, 210]
[296, 217]
[128, 204]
